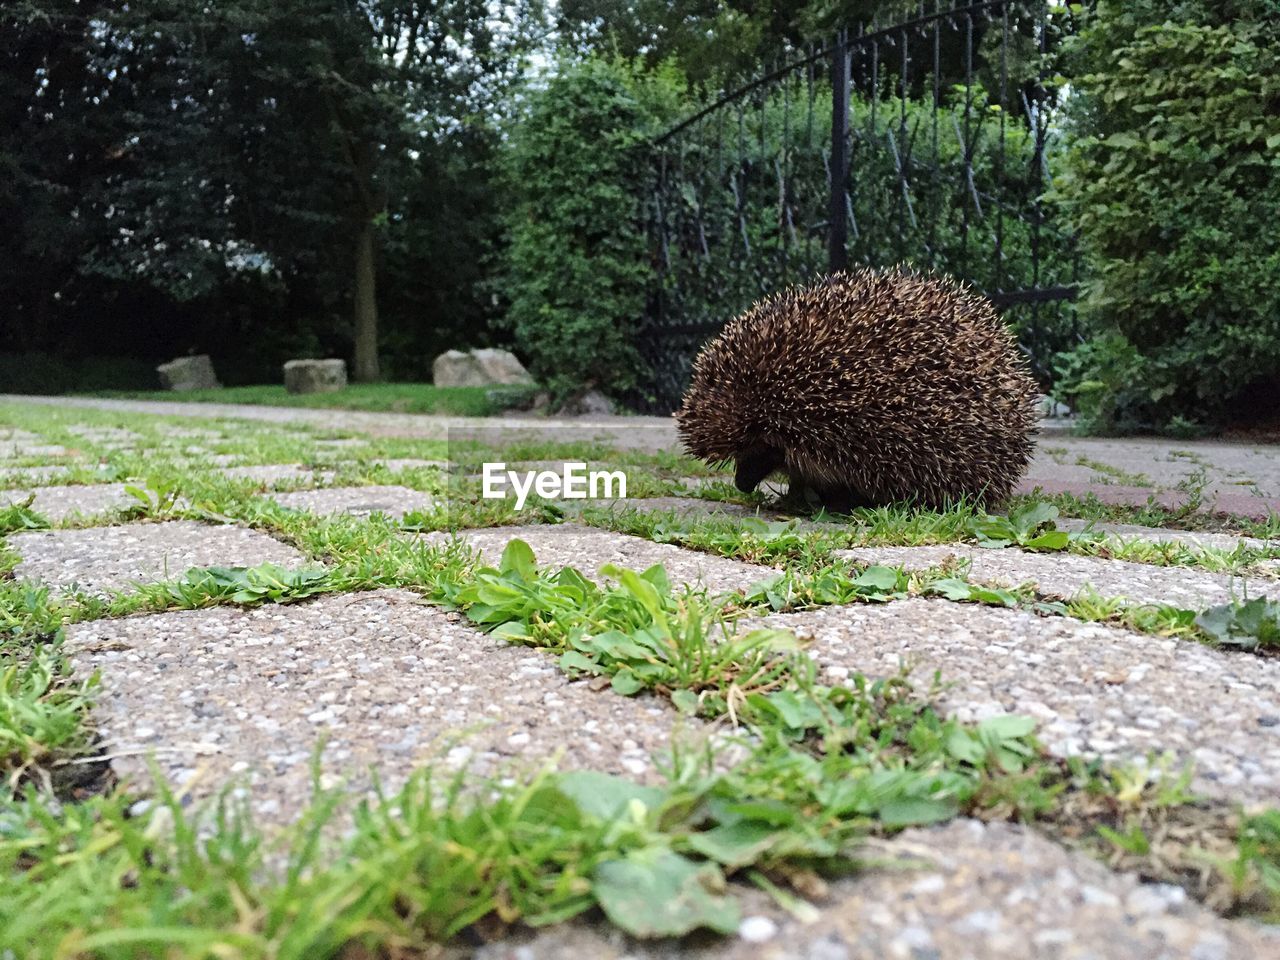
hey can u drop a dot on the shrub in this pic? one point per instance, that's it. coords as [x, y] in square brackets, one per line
[44, 373]
[577, 265]
[1173, 183]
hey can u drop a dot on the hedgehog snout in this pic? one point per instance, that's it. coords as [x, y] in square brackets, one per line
[754, 465]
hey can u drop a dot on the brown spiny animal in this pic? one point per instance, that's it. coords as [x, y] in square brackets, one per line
[867, 388]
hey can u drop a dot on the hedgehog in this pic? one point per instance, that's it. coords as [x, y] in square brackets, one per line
[867, 388]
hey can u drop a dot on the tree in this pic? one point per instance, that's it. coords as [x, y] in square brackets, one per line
[235, 166]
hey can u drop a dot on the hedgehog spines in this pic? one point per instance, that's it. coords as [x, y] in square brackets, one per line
[868, 387]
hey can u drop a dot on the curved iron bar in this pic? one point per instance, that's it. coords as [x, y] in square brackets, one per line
[725, 227]
[823, 53]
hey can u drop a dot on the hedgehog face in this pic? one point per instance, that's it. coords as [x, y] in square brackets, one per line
[754, 465]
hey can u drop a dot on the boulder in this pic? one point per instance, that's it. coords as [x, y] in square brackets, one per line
[315, 376]
[479, 368]
[188, 373]
[593, 403]
[501, 367]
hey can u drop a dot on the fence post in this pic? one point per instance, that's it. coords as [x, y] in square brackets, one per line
[837, 240]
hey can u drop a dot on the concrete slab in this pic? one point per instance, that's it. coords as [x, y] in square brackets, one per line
[962, 891]
[270, 474]
[1095, 690]
[63, 502]
[386, 682]
[357, 501]
[1064, 575]
[587, 550]
[101, 559]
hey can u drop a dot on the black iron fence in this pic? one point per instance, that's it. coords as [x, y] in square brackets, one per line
[928, 142]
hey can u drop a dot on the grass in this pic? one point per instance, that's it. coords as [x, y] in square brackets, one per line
[379, 397]
[818, 768]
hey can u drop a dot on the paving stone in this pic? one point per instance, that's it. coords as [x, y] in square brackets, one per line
[25, 474]
[587, 550]
[16, 451]
[387, 682]
[409, 463]
[59, 503]
[105, 434]
[101, 559]
[344, 443]
[272, 473]
[962, 891]
[357, 501]
[1192, 538]
[17, 435]
[1095, 690]
[1065, 575]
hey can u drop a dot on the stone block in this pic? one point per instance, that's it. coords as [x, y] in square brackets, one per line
[479, 368]
[315, 376]
[188, 373]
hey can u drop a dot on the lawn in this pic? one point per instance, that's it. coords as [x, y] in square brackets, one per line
[380, 397]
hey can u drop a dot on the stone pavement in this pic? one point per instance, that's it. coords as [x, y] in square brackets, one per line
[243, 697]
[1239, 478]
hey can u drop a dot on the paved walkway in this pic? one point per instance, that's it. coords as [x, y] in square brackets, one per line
[1237, 478]
[234, 695]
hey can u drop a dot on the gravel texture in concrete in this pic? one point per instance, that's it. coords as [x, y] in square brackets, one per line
[357, 501]
[60, 503]
[387, 682]
[32, 475]
[409, 463]
[272, 473]
[962, 891]
[587, 550]
[101, 559]
[1192, 538]
[1065, 575]
[1095, 690]
[10, 450]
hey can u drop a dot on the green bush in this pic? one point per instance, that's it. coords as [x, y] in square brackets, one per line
[577, 265]
[44, 373]
[1173, 183]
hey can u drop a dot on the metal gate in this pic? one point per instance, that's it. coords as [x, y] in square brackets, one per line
[928, 142]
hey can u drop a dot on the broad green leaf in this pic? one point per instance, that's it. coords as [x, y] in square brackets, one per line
[657, 893]
[686, 701]
[735, 844]
[912, 811]
[518, 558]
[626, 683]
[604, 796]
[877, 578]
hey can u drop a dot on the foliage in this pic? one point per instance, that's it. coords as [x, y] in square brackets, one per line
[1030, 526]
[235, 222]
[1250, 625]
[19, 516]
[1173, 181]
[42, 713]
[577, 264]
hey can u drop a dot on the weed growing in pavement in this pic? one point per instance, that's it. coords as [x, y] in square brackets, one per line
[1249, 625]
[819, 769]
[19, 516]
[1029, 526]
[42, 712]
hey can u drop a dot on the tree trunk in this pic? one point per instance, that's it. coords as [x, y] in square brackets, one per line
[366, 307]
